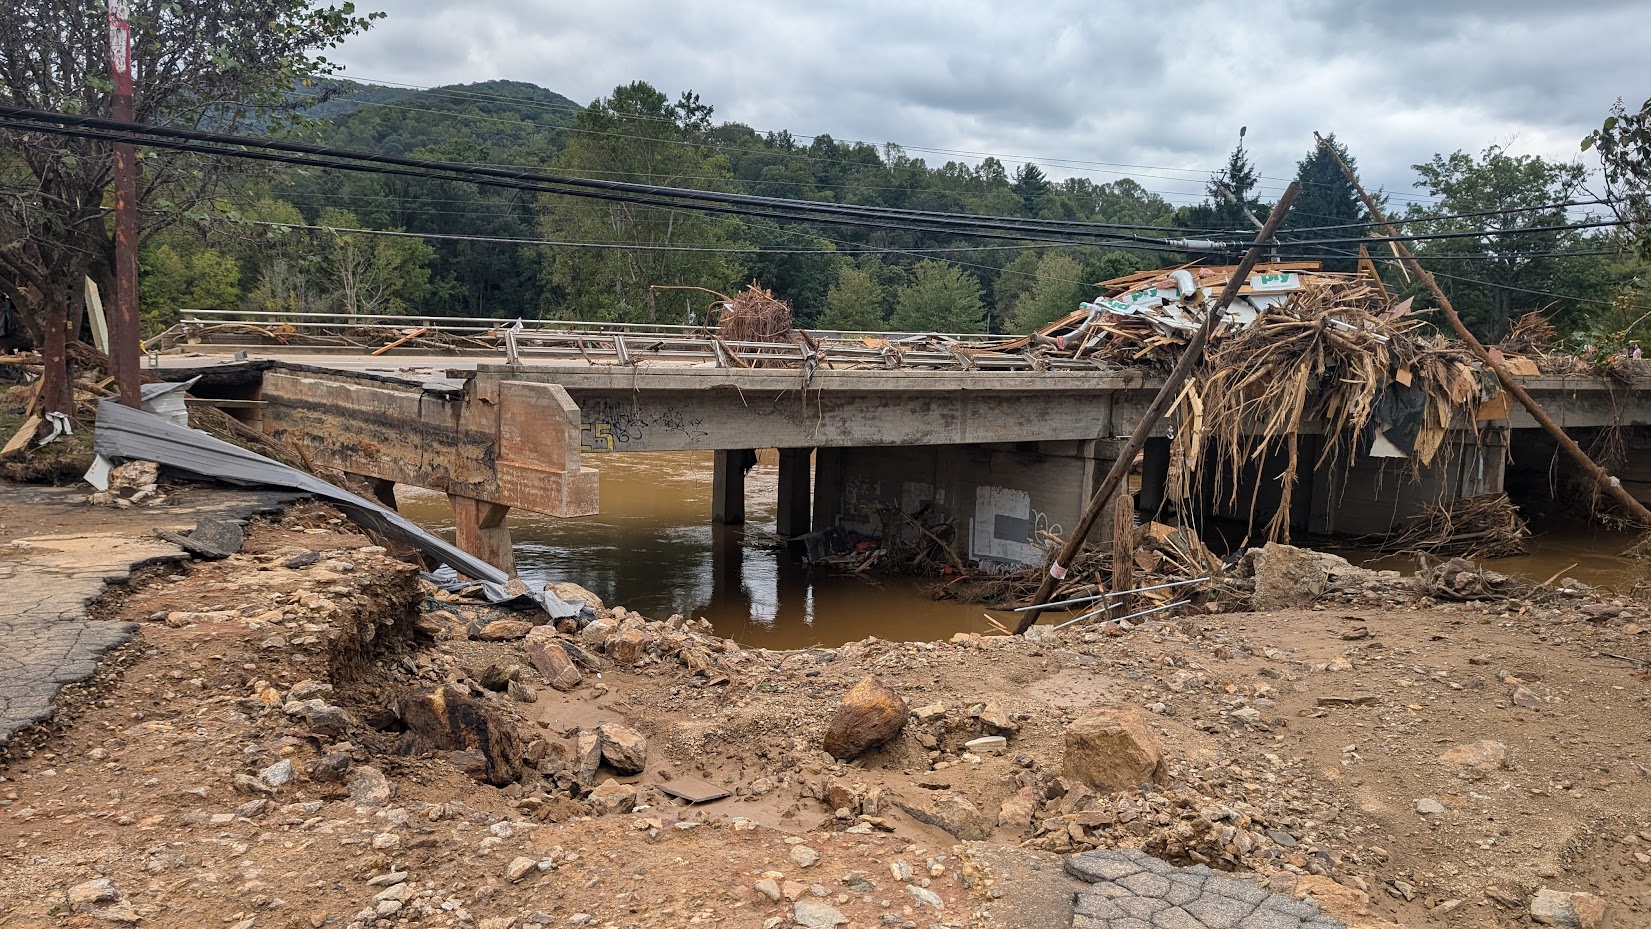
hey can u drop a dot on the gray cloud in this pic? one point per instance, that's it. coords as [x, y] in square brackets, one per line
[1080, 87]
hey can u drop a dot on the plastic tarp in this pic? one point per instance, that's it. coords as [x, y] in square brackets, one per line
[125, 433]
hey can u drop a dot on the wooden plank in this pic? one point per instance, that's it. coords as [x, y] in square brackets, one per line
[22, 437]
[1123, 553]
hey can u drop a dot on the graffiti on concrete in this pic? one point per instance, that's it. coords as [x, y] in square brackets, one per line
[606, 426]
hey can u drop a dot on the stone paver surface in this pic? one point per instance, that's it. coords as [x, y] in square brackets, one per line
[1132, 890]
[47, 582]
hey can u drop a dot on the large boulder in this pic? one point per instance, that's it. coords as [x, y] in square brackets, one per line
[870, 715]
[1287, 577]
[551, 659]
[1569, 910]
[611, 796]
[448, 719]
[626, 646]
[623, 748]
[1112, 748]
[953, 813]
[573, 593]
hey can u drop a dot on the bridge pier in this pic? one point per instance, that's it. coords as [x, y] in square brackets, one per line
[1001, 497]
[728, 467]
[793, 512]
[479, 528]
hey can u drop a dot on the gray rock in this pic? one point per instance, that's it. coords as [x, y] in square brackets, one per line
[277, 775]
[924, 895]
[804, 856]
[369, 787]
[94, 893]
[1427, 806]
[812, 915]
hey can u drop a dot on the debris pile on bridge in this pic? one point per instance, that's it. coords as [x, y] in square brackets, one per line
[755, 316]
[1334, 358]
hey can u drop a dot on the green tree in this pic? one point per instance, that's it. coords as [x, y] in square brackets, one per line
[1032, 187]
[854, 303]
[1492, 276]
[373, 275]
[1327, 198]
[1056, 291]
[941, 298]
[637, 135]
[218, 63]
[1623, 144]
[206, 279]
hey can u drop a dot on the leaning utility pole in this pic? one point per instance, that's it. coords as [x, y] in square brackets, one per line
[1160, 405]
[1610, 485]
[123, 325]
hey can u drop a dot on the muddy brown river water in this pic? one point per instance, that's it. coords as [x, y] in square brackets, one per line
[653, 549]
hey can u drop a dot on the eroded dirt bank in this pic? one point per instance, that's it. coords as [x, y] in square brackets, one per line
[295, 744]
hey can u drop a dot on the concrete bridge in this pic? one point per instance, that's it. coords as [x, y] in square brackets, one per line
[1003, 453]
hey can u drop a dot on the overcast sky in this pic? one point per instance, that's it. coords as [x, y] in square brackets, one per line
[1152, 90]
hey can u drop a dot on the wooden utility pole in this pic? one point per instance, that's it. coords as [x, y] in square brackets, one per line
[1610, 485]
[1155, 412]
[123, 324]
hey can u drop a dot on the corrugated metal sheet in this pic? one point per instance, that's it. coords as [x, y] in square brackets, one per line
[122, 432]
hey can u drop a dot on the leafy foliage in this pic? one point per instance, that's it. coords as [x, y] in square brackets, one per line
[636, 135]
[854, 303]
[1491, 278]
[1623, 144]
[203, 279]
[941, 298]
[218, 63]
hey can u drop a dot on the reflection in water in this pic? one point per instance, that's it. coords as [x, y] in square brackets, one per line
[653, 549]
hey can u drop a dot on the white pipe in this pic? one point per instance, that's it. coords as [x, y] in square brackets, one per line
[1184, 284]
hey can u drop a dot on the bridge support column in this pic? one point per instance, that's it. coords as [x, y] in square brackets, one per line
[479, 528]
[794, 513]
[728, 485]
[1154, 475]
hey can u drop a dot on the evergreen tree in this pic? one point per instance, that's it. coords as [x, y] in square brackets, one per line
[941, 298]
[636, 135]
[854, 303]
[1032, 187]
[1327, 198]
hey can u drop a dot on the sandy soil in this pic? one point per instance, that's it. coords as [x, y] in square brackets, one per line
[1314, 736]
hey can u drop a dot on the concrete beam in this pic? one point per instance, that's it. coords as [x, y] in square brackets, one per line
[709, 408]
[503, 442]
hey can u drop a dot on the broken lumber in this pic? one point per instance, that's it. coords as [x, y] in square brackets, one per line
[1611, 486]
[1155, 412]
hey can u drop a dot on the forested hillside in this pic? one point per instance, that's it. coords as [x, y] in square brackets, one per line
[302, 240]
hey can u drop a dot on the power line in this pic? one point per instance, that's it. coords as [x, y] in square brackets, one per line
[645, 194]
[285, 152]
